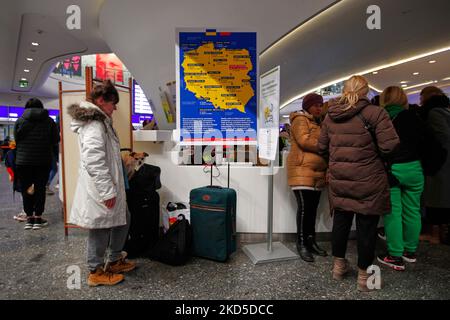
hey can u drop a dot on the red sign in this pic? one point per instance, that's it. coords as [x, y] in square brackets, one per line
[108, 66]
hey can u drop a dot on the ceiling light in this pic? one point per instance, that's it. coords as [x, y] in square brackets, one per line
[404, 85]
[26, 70]
[34, 44]
[419, 85]
[29, 59]
[327, 11]
[375, 72]
[435, 81]
[403, 81]
[415, 73]
[362, 72]
[286, 116]
[445, 79]
[23, 79]
[432, 61]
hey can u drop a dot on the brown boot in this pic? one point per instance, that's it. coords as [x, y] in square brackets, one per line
[340, 268]
[120, 266]
[435, 235]
[363, 276]
[100, 277]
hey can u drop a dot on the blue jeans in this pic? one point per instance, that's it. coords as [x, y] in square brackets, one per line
[53, 170]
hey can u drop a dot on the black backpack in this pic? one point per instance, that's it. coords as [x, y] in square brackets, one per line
[175, 247]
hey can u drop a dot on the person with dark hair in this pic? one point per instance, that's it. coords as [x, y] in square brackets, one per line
[36, 135]
[306, 173]
[375, 100]
[99, 203]
[435, 112]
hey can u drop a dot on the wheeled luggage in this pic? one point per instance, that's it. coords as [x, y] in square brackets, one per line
[143, 203]
[213, 220]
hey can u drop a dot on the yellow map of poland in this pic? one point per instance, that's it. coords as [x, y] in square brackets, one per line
[219, 76]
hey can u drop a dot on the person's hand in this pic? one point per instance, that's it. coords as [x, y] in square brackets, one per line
[110, 203]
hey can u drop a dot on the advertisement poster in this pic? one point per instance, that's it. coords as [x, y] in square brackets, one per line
[108, 66]
[269, 114]
[217, 81]
[70, 66]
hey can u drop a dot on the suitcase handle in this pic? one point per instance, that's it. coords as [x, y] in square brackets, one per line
[215, 187]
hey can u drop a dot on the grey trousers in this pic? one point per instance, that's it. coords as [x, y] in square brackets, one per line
[102, 240]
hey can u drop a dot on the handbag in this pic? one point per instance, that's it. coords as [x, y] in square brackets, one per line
[393, 181]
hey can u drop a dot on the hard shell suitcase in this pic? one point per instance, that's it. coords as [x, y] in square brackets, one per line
[213, 220]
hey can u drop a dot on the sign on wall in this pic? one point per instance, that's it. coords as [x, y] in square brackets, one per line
[216, 87]
[269, 114]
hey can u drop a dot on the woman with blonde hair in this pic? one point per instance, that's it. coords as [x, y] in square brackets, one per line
[353, 135]
[403, 224]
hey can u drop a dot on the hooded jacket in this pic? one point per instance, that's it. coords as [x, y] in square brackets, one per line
[36, 135]
[305, 168]
[358, 181]
[100, 174]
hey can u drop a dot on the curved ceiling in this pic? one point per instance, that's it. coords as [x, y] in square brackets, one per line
[337, 42]
[20, 21]
[142, 32]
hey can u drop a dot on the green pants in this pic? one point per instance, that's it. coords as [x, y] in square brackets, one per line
[403, 224]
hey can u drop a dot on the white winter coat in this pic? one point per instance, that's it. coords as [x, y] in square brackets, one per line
[100, 174]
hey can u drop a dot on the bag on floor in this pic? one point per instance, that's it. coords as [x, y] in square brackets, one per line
[144, 223]
[175, 246]
[213, 218]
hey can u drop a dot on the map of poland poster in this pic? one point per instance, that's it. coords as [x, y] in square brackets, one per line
[217, 87]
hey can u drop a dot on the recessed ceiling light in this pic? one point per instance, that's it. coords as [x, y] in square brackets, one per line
[435, 81]
[415, 73]
[26, 70]
[375, 72]
[445, 79]
[404, 85]
[23, 79]
[29, 59]
[432, 61]
[403, 81]
[34, 44]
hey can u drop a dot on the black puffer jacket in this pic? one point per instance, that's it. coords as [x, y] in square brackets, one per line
[36, 135]
[411, 131]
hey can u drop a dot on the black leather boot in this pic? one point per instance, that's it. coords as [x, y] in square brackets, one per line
[304, 252]
[314, 247]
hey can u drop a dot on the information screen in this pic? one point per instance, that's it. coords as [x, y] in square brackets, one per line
[141, 105]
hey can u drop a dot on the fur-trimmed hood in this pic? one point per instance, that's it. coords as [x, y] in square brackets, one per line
[83, 113]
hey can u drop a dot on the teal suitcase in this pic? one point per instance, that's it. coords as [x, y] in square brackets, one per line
[213, 221]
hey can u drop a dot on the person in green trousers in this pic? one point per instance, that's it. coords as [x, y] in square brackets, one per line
[403, 224]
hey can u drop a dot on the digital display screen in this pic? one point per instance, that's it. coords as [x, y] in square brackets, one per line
[13, 113]
[141, 105]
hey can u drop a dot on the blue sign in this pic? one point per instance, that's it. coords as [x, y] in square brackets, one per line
[217, 86]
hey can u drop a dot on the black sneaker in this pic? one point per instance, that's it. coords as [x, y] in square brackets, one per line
[29, 224]
[409, 257]
[39, 223]
[395, 263]
[381, 234]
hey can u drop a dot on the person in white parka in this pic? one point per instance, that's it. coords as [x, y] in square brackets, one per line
[99, 203]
